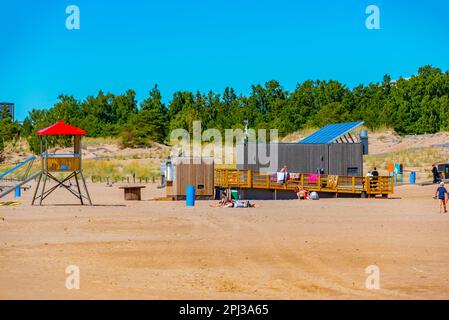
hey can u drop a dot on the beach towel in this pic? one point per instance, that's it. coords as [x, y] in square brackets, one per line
[295, 176]
[10, 204]
[312, 178]
[332, 181]
[281, 177]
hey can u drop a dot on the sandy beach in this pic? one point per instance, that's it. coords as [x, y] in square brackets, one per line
[281, 250]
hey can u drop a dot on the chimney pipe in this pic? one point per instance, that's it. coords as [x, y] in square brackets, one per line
[364, 140]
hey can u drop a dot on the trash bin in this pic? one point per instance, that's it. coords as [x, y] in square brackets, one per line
[234, 195]
[18, 192]
[412, 177]
[190, 196]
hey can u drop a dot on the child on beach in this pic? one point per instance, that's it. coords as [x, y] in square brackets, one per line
[442, 196]
[224, 198]
[301, 193]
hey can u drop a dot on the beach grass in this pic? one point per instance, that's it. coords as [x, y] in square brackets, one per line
[419, 160]
[116, 169]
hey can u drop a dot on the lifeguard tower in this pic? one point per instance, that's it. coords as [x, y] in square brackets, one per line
[54, 164]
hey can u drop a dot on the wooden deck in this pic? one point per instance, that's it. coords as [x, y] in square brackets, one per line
[231, 178]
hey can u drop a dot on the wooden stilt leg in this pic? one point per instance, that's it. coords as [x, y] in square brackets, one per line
[43, 188]
[37, 188]
[78, 186]
[85, 188]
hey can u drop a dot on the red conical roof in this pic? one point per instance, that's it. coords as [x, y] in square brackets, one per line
[61, 128]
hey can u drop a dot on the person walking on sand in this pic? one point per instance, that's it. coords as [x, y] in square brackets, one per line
[441, 195]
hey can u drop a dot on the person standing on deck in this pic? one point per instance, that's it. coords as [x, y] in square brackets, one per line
[284, 171]
[374, 178]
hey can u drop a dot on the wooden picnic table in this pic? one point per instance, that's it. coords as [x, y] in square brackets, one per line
[132, 192]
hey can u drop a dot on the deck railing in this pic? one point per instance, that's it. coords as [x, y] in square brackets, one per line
[228, 178]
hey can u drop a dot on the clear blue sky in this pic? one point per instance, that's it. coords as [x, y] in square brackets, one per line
[210, 44]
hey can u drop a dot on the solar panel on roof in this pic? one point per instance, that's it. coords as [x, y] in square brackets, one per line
[331, 132]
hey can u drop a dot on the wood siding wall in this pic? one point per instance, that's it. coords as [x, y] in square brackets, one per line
[192, 174]
[306, 158]
[343, 156]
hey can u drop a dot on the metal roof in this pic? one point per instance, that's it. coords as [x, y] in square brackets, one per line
[61, 128]
[331, 132]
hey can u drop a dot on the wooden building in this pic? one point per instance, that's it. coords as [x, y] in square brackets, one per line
[332, 149]
[181, 172]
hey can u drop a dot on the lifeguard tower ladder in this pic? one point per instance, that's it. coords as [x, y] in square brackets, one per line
[70, 163]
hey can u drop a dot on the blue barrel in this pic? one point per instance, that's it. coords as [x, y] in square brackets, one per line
[412, 177]
[18, 192]
[190, 196]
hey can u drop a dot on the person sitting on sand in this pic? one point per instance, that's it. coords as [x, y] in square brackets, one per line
[441, 195]
[229, 204]
[225, 201]
[224, 198]
[301, 193]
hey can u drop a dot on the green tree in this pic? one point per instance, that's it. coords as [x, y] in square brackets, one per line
[9, 129]
[149, 124]
[411, 106]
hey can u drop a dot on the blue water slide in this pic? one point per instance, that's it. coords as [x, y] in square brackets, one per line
[19, 184]
[4, 174]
